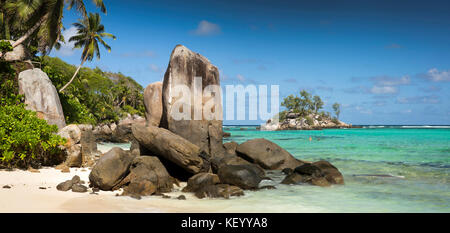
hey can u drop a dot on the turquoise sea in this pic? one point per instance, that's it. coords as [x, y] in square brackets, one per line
[416, 158]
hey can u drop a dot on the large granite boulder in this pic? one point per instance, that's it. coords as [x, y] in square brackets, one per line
[122, 132]
[184, 66]
[153, 103]
[41, 96]
[243, 176]
[111, 168]
[151, 169]
[172, 147]
[71, 133]
[89, 150]
[267, 154]
[200, 180]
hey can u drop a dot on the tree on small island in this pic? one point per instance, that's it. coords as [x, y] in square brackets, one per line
[337, 109]
[304, 105]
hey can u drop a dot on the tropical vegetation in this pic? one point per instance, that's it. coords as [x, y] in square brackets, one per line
[305, 104]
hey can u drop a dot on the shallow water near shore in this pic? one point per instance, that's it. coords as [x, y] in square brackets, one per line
[416, 161]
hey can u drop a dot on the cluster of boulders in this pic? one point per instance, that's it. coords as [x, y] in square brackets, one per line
[118, 133]
[81, 146]
[293, 121]
[75, 184]
[165, 151]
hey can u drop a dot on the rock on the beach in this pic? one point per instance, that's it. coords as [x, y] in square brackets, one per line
[172, 147]
[141, 187]
[267, 154]
[88, 145]
[149, 168]
[79, 188]
[65, 186]
[330, 172]
[200, 180]
[111, 168]
[41, 96]
[153, 103]
[321, 173]
[184, 66]
[219, 191]
[74, 157]
[243, 176]
[123, 132]
[71, 133]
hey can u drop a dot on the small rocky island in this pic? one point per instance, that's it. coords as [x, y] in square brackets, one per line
[165, 151]
[294, 121]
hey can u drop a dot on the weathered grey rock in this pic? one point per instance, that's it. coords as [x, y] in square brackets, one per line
[111, 168]
[64, 186]
[184, 66]
[79, 188]
[72, 133]
[123, 132]
[88, 143]
[74, 157]
[19, 53]
[172, 147]
[153, 103]
[76, 179]
[41, 96]
[149, 168]
[321, 173]
[330, 172]
[141, 187]
[267, 154]
[243, 176]
[201, 180]
[219, 191]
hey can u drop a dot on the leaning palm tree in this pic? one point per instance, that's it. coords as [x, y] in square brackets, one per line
[45, 15]
[90, 33]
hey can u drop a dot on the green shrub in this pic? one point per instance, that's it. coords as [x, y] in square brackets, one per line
[309, 121]
[5, 46]
[335, 120]
[26, 140]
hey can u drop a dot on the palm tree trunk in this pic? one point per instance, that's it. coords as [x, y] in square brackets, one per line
[30, 31]
[74, 75]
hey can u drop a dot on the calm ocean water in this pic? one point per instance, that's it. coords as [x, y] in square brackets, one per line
[417, 158]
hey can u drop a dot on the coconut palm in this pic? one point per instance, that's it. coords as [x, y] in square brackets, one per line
[45, 15]
[90, 33]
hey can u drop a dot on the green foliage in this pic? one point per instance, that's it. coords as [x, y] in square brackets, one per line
[317, 103]
[335, 120]
[25, 140]
[309, 121]
[282, 116]
[5, 46]
[94, 96]
[337, 109]
[303, 104]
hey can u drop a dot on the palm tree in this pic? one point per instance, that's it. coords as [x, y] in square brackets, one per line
[45, 15]
[90, 33]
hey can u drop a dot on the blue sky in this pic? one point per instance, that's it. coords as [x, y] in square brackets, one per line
[386, 62]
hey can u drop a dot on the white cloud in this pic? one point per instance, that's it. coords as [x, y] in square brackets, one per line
[67, 48]
[383, 90]
[432, 99]
[206, 28]
[388, 81]
[438, 76]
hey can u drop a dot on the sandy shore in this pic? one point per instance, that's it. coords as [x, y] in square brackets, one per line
[26, 195]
